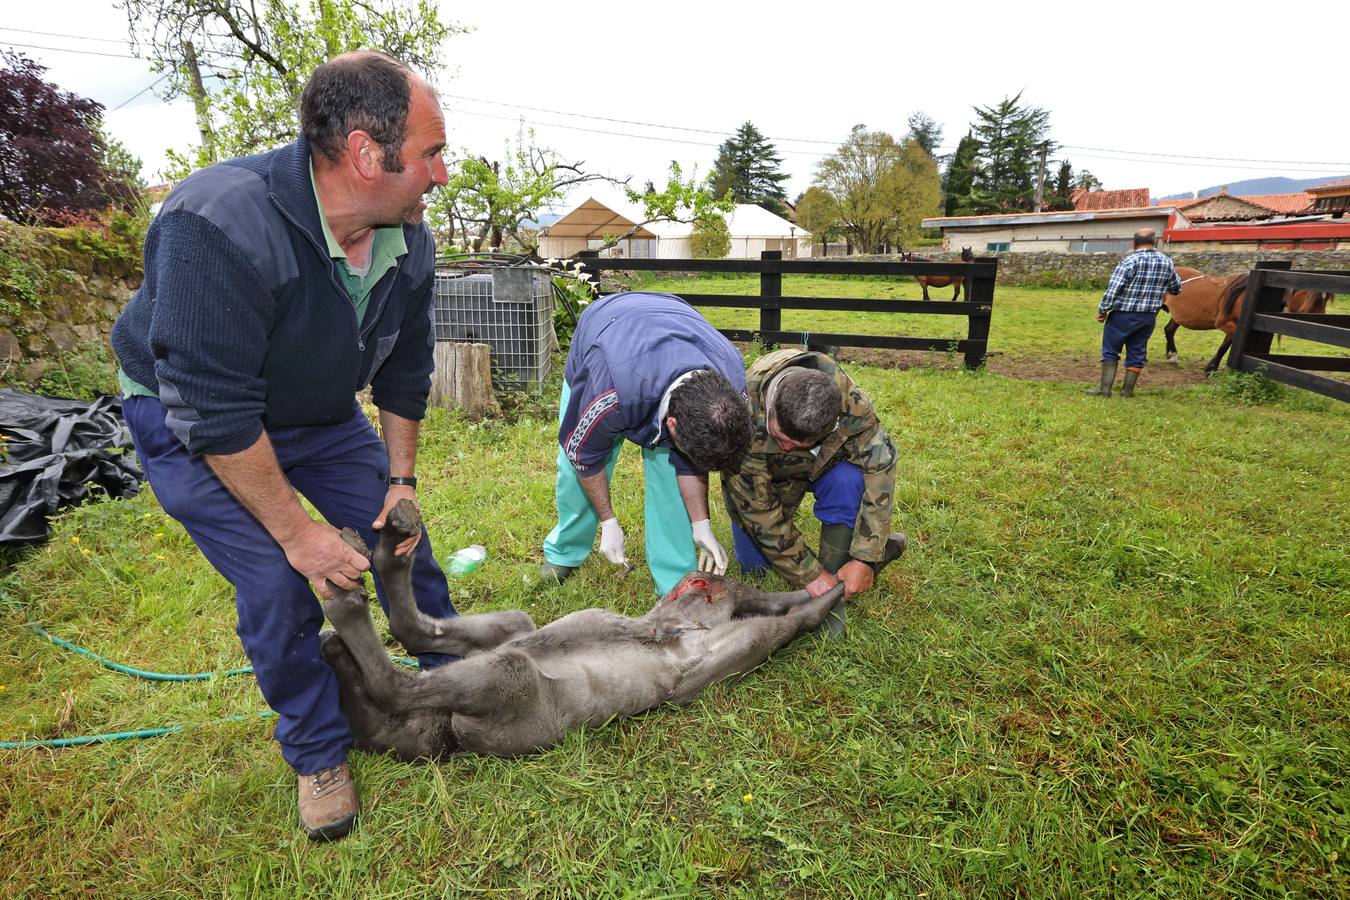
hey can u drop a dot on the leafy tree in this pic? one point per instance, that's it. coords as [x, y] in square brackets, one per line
[257, 54]
[54, 157]
[1010, 135]
[747, 167]
[1087, 181]
[710, 239]
[959, 180]
[882, 188]
[818, 213]
[681, 200]
[486, 201]
[925, 131]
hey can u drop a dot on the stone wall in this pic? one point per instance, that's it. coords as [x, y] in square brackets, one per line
[80, 288]
[1091, 270]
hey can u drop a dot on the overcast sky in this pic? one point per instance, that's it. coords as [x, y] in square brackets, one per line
[1123, 87]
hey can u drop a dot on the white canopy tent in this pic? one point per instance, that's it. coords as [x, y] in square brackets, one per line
[753, 229]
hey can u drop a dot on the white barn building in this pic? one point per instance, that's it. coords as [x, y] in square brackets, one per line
[753, 229]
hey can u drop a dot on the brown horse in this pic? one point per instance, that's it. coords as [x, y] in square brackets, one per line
[941, 280]
[1207, 302]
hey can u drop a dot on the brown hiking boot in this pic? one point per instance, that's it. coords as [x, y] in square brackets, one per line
[327, 803]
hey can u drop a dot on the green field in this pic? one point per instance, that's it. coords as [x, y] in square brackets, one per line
[1115, 661]
[1029, 326]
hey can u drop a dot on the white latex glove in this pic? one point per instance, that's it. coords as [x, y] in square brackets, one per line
[611, 542]
[711, 556]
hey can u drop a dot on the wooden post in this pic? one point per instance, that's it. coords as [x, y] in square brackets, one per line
[1258, 298]
[770, 285]
[980, 290]
[463, 378]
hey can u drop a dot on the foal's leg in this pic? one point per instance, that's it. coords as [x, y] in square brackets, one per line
[426, 735]
[1170, 330]
[956, 294]
[476, 686]
[414, 629]
[745, 643]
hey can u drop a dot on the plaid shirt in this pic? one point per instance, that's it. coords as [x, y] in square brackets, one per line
[1139, 282]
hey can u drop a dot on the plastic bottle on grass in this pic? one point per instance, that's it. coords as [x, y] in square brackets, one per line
[462, 562]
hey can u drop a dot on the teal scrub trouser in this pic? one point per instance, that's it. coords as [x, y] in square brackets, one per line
[669, 539]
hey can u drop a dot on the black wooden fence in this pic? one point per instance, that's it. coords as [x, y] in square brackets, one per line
[1263, 317]
[771, 267]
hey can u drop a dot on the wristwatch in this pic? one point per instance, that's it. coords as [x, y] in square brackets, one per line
[409, 480]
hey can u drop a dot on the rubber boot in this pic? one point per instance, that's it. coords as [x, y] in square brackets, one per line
[550, 573]
[834, 543]
[1131, 376]
[1108, 378]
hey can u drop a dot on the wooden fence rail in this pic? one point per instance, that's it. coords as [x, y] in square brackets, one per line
[1263, 317]
[771, 267]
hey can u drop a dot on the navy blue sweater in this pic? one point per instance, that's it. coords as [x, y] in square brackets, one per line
[627, 349]
[242, 322]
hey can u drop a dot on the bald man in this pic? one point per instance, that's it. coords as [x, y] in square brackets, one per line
[1129, 310]
[276, 287]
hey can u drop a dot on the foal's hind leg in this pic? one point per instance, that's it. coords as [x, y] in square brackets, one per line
[743, 644]
[956, 295]
[414, 629]
[1170, 330]
[424, 735]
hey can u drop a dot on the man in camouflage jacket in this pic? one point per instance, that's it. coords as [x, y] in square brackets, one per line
[849, 466]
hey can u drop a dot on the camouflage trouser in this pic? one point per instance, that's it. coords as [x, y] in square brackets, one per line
[838, 492]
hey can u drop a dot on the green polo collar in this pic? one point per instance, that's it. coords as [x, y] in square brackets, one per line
[386, 248]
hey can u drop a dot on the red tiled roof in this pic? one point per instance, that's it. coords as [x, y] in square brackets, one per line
[1331, 186]
[1288, 204]
[1085, 201]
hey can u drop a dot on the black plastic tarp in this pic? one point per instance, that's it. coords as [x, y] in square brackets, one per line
[53, 451]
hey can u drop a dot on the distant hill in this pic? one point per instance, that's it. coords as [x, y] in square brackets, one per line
[1275, 185]
[544, 219]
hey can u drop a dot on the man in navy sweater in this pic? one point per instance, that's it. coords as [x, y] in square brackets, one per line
[276, 287]
[647, 368]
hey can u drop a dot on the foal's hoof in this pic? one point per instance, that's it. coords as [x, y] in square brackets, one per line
[331, 645]
[1173, 359]
[403, 521]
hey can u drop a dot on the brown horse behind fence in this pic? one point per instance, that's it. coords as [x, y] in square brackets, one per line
[1207, 302]
[925, 281]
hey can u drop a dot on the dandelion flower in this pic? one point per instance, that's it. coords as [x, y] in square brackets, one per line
[75, 539]
[748, 798]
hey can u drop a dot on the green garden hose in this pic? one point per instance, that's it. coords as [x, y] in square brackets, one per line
[149, 676]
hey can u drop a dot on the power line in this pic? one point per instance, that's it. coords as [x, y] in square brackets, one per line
[1162, 155]
[141, 91]
[560, 112]
[623, 134]
[1290, 162]
[73, 37]
[68, 50]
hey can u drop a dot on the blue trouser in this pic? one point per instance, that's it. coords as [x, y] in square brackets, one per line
[838, 492]
[1132, 329]
[667, 536]
[338, 468]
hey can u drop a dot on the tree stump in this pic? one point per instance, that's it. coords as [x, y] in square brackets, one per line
[463, 378]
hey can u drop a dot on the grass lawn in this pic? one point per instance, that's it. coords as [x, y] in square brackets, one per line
[1116, 660]
[1036, 332]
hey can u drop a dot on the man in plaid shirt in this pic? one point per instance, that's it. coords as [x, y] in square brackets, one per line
[1130, 308]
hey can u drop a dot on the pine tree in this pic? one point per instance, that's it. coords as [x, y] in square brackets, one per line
[748, 166]
[959, 181]
[1010, 136]
[1059, 195]
[926, 132]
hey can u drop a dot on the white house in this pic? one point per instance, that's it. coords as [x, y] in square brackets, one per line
[753, 229]
[1071, 231]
